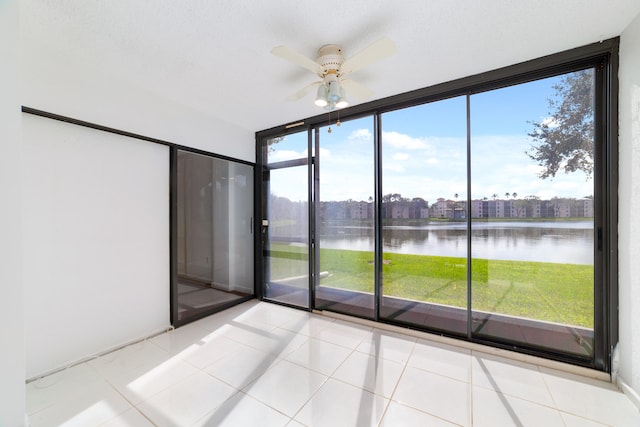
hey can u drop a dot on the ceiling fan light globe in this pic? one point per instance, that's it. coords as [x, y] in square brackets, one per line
[321, 97]
[334, 92]
[342, 102]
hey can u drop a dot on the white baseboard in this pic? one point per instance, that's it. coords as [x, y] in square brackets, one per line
[96, 355]
[633, 396]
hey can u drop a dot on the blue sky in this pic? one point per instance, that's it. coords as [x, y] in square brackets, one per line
[424, 151]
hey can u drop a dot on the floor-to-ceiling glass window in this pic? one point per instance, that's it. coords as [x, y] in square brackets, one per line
[424, 221]
[214, 234]
[285, 222]
[345, 218]
[532, 194]
[483, 209]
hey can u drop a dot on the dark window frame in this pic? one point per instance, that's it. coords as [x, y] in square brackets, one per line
[604, 56]
[173, 241]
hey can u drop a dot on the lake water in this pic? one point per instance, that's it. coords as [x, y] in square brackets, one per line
[561, 242]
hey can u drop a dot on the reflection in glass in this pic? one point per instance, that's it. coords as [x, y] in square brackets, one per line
[345, 211]
[424, 220]
[214, 233]
[286, 234]
[287, 256]
[289, 147]
[532, 230]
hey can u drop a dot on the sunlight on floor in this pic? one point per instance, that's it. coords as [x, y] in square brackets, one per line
[264, 364]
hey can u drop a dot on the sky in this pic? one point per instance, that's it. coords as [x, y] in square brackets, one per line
[424, 152]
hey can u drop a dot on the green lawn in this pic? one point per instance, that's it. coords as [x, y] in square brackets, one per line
[561, 293]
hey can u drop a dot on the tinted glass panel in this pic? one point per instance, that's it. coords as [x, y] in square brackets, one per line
[532, 213]
[286, 232]
[424, 185]
[215, 236]
[345, 221]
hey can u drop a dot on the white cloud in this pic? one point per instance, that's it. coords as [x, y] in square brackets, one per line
[534, 170]
[400, 156]
[432, 161]
[573, 185]
[360, 135]
[393, 167]
[551, 122]
[399, 140]
[324, 153]
[282, 155]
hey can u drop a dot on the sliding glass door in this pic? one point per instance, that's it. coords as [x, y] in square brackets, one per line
[424, 220]
[345, 218]
[285, 221]
[533, 224]
[214, 235]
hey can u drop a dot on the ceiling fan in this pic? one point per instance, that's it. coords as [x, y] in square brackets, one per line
[332, 67]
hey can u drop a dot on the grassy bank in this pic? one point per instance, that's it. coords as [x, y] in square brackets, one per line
[552, 292]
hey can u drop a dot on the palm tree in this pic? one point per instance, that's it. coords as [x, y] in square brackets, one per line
[495, 196]
[507, 194]
[514, 194]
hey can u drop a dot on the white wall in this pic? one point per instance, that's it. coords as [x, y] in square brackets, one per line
[96, 241]
[96, 205]
[629, 206]
[81, 89]
[12, 399]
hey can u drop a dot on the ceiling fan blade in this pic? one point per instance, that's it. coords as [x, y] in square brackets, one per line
[297, 58]
[356, 90]
[302, 92]
[375, 52]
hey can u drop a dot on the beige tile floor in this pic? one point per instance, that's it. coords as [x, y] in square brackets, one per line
[260, 364]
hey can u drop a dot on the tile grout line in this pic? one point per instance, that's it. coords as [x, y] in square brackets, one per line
[555, 404]
[522, 398]
[276, 361]
[355, 350]
[280, 360]
[244, 394]
[395, 388]
[135, 407]
[406, 365]
[310, 397]
[553, 399]
[330, 376]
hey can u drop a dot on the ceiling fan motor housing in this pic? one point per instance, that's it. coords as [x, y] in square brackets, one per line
[330, 57]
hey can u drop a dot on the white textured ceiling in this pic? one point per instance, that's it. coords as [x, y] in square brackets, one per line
[213, 56]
